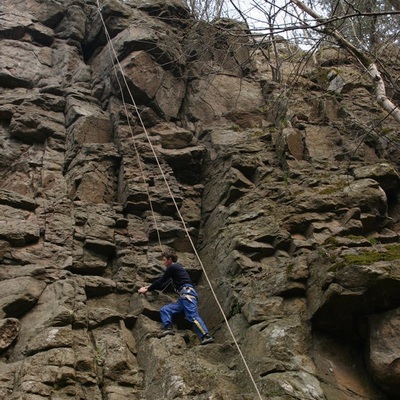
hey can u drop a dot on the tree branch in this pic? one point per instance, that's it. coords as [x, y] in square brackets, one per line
[367, 63]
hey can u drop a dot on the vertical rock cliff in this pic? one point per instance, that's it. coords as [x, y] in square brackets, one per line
[128, 127]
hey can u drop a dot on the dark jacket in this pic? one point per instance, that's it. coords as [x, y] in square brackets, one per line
[177, 273]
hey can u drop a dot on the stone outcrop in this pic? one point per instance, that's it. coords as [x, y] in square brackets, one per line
[129, 128]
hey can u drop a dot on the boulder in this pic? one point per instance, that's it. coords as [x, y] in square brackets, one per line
[150, 83]
[19, 295]
[24, 64]
[384, 348]
[16, 200]
[385, 174]
[20, 233]
[35, 125]
[217, 94]
[49, 13]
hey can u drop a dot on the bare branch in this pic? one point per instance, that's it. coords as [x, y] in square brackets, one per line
[370, 66]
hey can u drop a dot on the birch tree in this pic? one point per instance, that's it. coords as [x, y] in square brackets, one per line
[360, 55]
[359, 27]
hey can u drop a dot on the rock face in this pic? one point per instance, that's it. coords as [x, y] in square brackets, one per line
[132, 128]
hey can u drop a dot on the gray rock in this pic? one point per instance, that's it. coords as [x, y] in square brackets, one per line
[16, 200]
[20, 233]
[19, 295]
[9, 329]
[383, 350]
[16, 56]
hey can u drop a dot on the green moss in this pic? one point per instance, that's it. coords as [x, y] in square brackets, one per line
[320, 76]
[290, 268]
[274, 389]
[236, 308]
[286, 178]
[331, 242]
[255, 133]
[337, 187]
[386, 131]
[100, 355]
[391, 253]
[264, 109]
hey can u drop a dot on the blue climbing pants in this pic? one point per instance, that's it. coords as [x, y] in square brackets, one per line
[187, 304]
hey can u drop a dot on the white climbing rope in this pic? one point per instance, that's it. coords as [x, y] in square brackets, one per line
[114, 54]
[139, 161]
[129, 123]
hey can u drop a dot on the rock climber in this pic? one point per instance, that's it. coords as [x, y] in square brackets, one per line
[186, 303]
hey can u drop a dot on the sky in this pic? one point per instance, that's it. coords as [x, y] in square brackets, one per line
[264, 14]
[258, 12]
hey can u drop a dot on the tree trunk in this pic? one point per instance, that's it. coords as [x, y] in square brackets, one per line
[395, 4]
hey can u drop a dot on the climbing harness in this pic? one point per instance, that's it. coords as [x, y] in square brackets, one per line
[115, 57]
[188, 297]
[187, 289]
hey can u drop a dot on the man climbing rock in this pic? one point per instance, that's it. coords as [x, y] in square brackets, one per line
[186, 303]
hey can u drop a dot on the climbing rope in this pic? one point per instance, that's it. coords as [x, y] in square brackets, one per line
[129, 123]
[115, 56]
